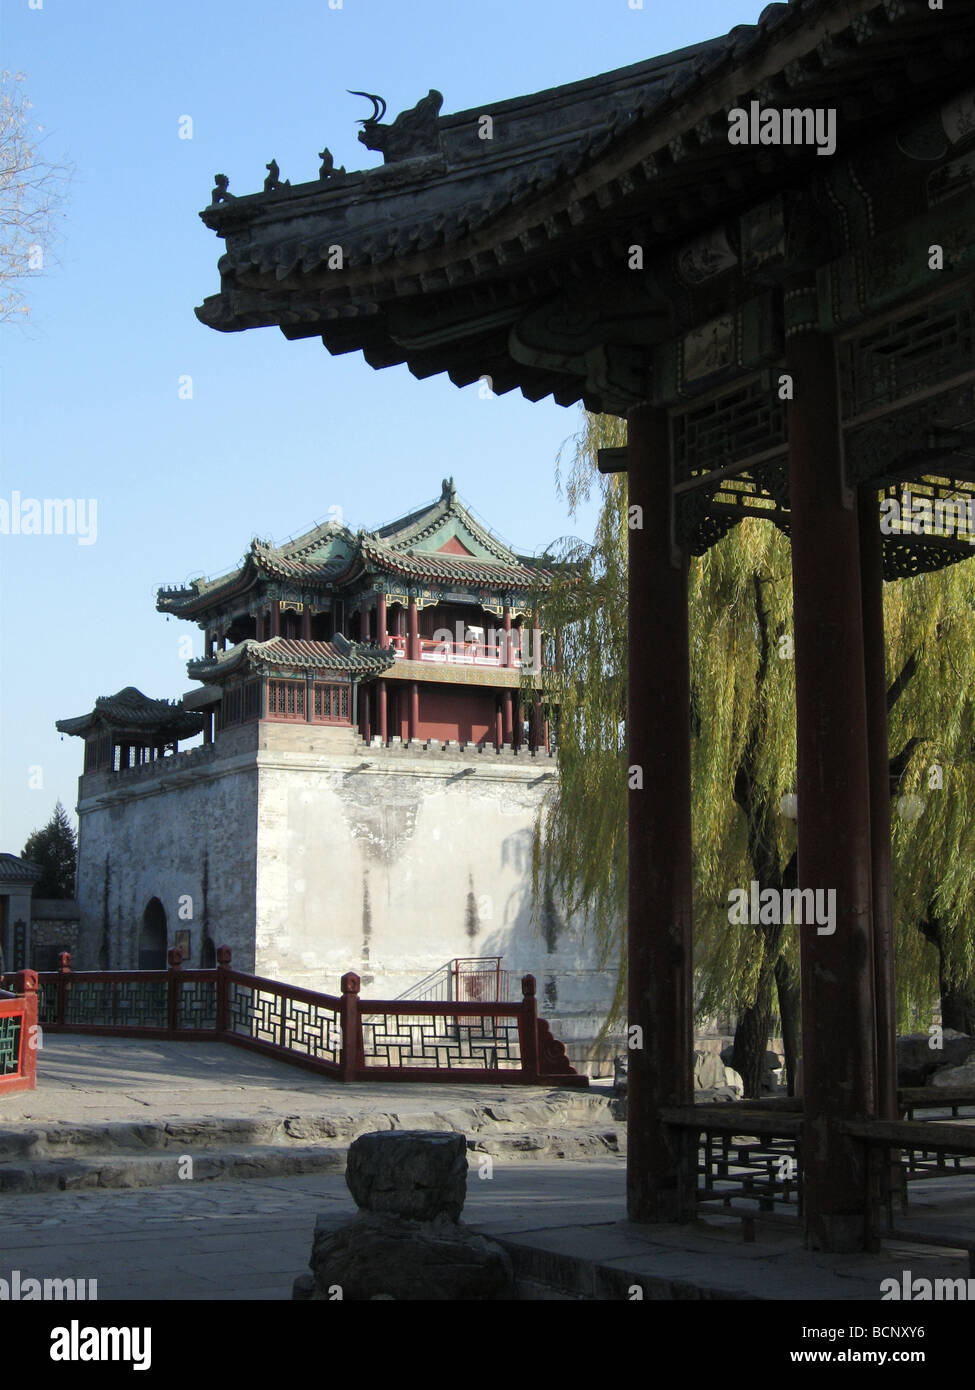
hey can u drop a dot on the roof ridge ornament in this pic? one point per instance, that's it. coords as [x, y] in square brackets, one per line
[448, 492]
[273, 181]
[328, 169]
[220, 193]
[413, 133]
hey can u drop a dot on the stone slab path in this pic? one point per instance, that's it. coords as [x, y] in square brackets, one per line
[203, 1238]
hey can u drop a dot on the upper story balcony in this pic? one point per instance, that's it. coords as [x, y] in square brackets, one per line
[466, 653]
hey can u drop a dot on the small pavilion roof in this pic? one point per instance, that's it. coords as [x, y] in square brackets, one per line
[339, 655]
[130, 710]
[13, 869]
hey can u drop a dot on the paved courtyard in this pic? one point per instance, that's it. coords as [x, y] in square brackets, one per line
[562, 1221]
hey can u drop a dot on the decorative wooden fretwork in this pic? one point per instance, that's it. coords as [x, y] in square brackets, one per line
[196, 1004]
[729, 461]
[109, 1003]
[330, 704]
[10, 1045]
[743, 1168]
[883, 366]
[933, 437]
[309, 1029]
[230, 708]
[441, 1042]
[251, 701]
[286, 700]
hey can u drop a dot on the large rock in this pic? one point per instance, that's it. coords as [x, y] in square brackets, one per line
[917, 1060]
[732, 1079]
[954, 1076]
[410, 1173]
[709, 1071]
[380, 1256]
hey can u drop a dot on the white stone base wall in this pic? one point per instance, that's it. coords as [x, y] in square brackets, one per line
[325, 855]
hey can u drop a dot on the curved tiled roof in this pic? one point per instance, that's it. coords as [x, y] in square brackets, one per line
[16, 870]
[333, 558]
[130, 709]
[338, 655]
[445, 254]
[459, 569]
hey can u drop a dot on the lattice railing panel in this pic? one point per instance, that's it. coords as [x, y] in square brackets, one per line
[767, 1171]
[10, 1027]
[196, 1004]
[47, 1001]
[441, 1042]
[254, 1013]
[312, 1030]
[309, 1029]
[125, 1003]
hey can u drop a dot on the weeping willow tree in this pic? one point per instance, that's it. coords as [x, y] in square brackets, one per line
[930, 625]
[744, 763]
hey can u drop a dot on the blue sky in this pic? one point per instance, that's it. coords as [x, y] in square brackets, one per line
[276, 433]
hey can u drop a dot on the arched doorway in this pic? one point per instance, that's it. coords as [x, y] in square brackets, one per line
[152, 937]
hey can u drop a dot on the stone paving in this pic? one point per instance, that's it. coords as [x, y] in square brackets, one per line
[563, 1222]
[83, 1079]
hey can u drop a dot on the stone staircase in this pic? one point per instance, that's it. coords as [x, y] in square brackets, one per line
[58, 1157]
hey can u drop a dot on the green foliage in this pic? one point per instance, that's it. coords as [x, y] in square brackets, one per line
[54, 849]
[743, 746]
[930, 624]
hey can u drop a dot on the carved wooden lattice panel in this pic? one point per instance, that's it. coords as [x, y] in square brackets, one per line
[10, 1045]
[312, 1030]
[440, 1043]
[331, 703]
[132, 1003]
[196, 1004]
[881, 366]
[739, 425]
[47, 1001]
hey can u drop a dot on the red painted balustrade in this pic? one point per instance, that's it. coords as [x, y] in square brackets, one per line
[19, 1036]
[343, 1036]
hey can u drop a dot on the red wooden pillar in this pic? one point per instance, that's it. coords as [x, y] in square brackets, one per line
[381, 621]
[366, 721]
[24, 983]
[175, 959]
[519, 729]
[275, 618]
[498, 729]
[414, 710]
[305, 623]
[506, 719]
[366, 613]
[839, 1039]
[64, 970]
[350, 1023]
[223, 967]
[381, 711]
[509, 656]
[413, 639]
[875, 671]
[528, 1028]
[660, 1169]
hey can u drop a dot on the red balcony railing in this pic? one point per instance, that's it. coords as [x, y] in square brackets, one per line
[343, 1036]
[457, 653]
[18, 1032]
